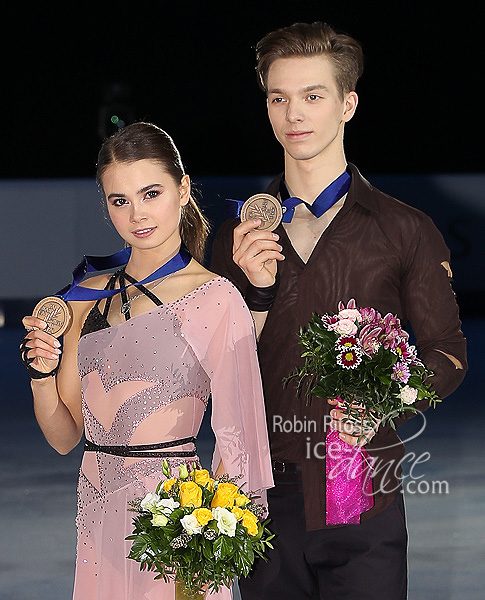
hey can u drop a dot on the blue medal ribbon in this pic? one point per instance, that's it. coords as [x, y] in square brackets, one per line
[90, 264]
[330, 195]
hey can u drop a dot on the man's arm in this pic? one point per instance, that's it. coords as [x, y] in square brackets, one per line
[247, 255]
[430, 305]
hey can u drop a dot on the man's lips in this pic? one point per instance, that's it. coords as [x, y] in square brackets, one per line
[143, 232]
[298, 135]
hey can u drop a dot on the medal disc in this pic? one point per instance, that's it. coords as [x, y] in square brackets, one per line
[55, 312]
[264, 207]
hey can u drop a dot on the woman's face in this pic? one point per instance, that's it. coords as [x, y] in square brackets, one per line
[144, 203]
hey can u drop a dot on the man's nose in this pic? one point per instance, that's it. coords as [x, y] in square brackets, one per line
[294, 112]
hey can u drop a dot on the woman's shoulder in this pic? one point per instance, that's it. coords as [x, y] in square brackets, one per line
[97, 282]
[80, 309]
[215, 294]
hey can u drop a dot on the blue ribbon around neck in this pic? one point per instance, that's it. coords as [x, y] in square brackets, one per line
[90, 264]
[330, 195]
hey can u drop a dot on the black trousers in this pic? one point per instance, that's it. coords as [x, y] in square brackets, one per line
[355, 562]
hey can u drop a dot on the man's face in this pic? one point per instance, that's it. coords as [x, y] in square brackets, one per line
[305, 108]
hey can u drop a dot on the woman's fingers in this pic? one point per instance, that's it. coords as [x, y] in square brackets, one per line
[31, 322]
[41, 348]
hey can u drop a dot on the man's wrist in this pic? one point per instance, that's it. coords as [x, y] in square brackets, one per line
[261, 299]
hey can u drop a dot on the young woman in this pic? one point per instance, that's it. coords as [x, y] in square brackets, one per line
[137, 368]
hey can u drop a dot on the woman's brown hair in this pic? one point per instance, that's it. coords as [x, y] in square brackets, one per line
[141, 141]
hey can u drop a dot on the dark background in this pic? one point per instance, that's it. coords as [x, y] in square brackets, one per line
[189, 67]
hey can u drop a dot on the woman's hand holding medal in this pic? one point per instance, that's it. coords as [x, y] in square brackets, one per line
[40, 351]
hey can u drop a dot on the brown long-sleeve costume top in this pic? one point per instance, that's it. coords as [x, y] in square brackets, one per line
[386, 255]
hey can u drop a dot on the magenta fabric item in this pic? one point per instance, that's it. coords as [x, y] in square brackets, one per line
[148, 380]
[348, 481]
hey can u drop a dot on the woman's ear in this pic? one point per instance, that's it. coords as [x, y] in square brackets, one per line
[184, 190]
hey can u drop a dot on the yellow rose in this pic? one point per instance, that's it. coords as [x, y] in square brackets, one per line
[168, 484]
[241, 500]
[225, 495]
[203, 478]
[190, 494]
[238, 512]
[203, 515]
[250, 521]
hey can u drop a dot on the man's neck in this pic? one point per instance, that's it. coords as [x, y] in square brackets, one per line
[307, 178]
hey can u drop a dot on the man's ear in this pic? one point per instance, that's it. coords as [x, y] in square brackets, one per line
[350, 106]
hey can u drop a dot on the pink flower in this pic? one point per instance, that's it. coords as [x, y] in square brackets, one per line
[329, 320]
[369, 338]
[401, 372]
[350, 304]
[350, 313]
[404, 351]
[370, 315]
[392, 322]
[344, 327]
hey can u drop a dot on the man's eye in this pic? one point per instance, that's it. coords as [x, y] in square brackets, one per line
[277, 100]
[313, 97]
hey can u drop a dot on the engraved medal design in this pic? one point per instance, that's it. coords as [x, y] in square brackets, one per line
[264, 207]
[56, 313]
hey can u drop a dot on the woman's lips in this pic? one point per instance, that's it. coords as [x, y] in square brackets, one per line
[143, 233]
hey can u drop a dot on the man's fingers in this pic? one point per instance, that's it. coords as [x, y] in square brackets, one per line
[242, 230]
[244, 237]
[247, 252]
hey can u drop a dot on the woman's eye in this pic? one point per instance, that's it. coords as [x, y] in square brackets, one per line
[152, 194]
[119, 202]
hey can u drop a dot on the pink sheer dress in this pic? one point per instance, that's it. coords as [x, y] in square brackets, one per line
[148, 380]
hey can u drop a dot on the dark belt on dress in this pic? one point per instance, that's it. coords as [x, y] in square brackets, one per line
[144, 450]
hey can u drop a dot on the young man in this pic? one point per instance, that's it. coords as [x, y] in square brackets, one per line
[360, 244]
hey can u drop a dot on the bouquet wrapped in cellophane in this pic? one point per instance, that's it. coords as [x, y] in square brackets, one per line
[200, 531]
[364, 361]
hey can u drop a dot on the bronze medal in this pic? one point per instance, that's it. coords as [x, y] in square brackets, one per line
[264, 207]
[56, 313]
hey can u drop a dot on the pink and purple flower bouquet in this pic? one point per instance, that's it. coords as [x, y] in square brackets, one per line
[364, 359]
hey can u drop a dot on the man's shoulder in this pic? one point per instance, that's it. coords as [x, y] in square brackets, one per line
[385, 206]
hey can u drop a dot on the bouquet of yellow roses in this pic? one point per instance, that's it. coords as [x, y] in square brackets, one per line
[203, 532]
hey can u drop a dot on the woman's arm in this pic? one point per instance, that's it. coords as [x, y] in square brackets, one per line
[57, 399]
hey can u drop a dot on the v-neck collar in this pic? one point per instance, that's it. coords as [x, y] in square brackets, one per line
[360, 192]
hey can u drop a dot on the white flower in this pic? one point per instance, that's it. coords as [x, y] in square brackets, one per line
[149, 502]
[189, 523]
[408, 394]
[159, 520]
[167, 506]
[226, 521]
